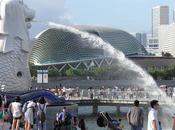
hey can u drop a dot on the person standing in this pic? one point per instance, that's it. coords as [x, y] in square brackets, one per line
[16, 107]
[135, 117]
[29, 115]
[153, 122]
[41, 114]
[82, 124]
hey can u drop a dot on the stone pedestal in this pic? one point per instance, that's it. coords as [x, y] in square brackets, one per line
[14, 70]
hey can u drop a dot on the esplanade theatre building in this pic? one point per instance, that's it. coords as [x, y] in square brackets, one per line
[63, 49]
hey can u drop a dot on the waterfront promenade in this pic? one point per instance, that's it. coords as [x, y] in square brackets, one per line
[109, 97]
[95, 98]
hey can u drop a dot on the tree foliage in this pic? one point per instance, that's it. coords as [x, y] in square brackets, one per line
[166, 73]
[167, 54]
[52, 72]
[33, 70]
[95, 71]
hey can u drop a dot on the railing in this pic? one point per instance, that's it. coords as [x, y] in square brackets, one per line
[107, 94]
[110, 94]
[102, 102]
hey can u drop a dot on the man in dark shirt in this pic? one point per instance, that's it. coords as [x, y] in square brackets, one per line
[135, 117]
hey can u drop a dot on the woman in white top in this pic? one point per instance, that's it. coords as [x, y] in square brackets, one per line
[16, 112]
[29, 114]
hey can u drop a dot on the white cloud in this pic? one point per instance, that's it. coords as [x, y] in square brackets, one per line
[48, 11]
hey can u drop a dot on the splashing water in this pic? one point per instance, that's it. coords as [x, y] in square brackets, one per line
[143, 79]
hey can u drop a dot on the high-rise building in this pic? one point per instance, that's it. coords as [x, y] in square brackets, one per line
[142, 38]
[160, 16]
[167, 39]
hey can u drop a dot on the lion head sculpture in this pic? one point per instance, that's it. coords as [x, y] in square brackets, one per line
[15, 18]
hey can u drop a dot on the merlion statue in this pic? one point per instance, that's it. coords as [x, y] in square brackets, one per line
[15, 18]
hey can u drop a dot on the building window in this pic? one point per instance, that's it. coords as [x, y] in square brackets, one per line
[153, 45]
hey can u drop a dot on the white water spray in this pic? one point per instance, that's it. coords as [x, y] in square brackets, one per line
[143, 79]
[97, 42]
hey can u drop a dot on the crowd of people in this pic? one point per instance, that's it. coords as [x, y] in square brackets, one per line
[104, 92]
[132, 92]
[117, 93]
[23, 115]
[32, 115]
[101, 93]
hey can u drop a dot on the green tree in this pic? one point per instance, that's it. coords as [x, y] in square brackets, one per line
[167, 54]
[52, 72]
[33, 70]
[70, 72]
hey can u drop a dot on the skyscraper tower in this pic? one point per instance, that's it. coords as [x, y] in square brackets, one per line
[160, 16]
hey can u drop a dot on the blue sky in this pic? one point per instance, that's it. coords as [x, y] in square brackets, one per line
[129, 15]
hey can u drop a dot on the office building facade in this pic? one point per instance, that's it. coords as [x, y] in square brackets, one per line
[153, 45]
[167, 39]
[160, 16]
